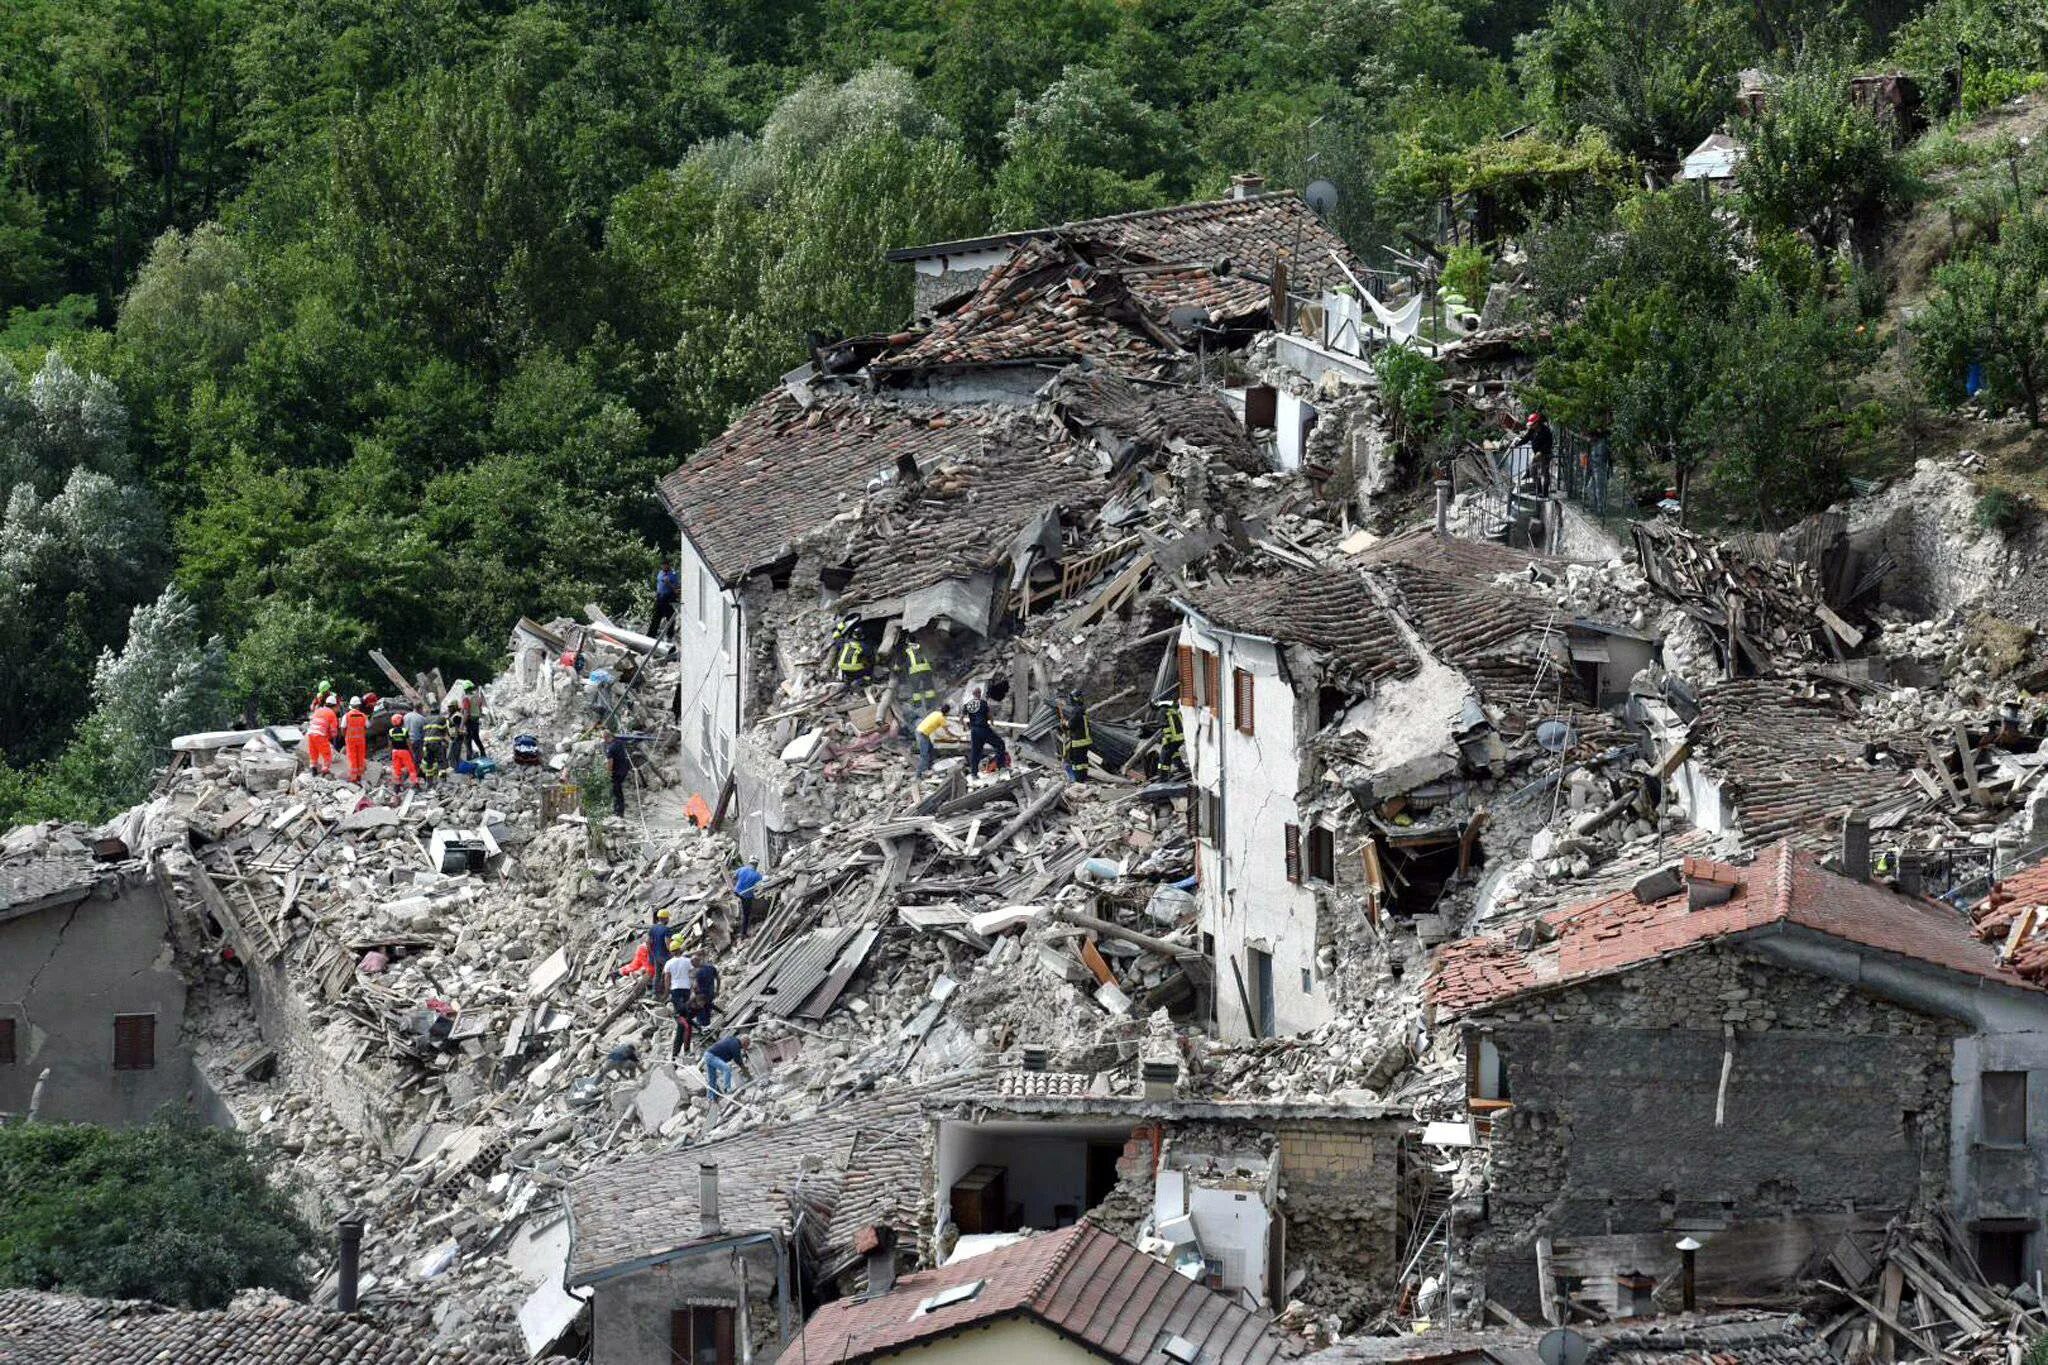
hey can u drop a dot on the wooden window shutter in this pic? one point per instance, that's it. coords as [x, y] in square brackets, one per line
[7, 1057]
[134, 1042]
[1185, 658]
[1212, 680]
[1294, 853]
[679, 1336]
[1241, 699]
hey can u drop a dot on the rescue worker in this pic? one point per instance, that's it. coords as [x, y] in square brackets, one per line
[657, 951]
[473, 720]
[1076, 741]
[435, 740]
[744, 887]
[321, 733]
[721, 1064]
[981, 733]
[707, 992]
[928, 731]
[402, 766]
[667, 589]
[1172, 740]
[416, 738]
[853, 657]
[619, 761]
[680, 975]
[355, 731]
[458, 734]
[923, 683]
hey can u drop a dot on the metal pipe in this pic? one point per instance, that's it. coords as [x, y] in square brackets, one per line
[349, 1232]
[707, 1199]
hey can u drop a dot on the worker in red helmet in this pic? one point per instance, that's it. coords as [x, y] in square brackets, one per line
[403, 768]
[1541, 441]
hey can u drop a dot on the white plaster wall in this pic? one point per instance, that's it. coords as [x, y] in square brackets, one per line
[1232, 1226]
[710, 632]
[1245, 896]
[1005, 1341]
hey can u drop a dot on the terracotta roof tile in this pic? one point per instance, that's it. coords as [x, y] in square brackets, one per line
[1782, 886]
[1329, 610]
[1083, 1282]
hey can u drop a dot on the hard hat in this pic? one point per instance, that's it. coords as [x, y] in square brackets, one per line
[661, 914]
[1534, 418]
[331, 699]
[355, 701]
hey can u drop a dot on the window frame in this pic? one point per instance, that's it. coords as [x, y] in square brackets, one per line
[125, 1050]
[10, 1043]
[1985, 1135]
[1321, 861]
[1241, 700]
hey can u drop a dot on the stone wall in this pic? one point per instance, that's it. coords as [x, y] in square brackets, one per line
[1341, 1185]
[1834, 1100]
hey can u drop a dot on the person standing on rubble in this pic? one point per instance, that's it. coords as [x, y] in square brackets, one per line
[919, 678]
[668, 587]
[321, 731]
[355, 731]
[473, 719]
[416, 738]
[458, 734]
[657, 951]
[681, 975]
[707, 992]
[619, 761]
[721, 1063]
[928, 731]
[981, 734]
[1541, 441]
[402, 766]
[745, 883]
[1076, 740]
[1172, 739]
[434, 741]
[853, 658]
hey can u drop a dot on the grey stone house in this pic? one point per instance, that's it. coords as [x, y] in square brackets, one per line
[1757, 1056]
[89, 993]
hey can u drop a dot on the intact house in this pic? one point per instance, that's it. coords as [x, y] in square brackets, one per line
[1759, 1056]
[1079, 1296]
[91, 1000]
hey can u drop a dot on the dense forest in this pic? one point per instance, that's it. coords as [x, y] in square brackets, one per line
[332, 324]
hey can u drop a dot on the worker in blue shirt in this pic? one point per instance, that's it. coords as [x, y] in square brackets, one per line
[743, 886]
[721, 1063]
[668, 588]
[707, 991]
[657, 950]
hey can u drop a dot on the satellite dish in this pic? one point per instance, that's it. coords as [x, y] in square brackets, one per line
[1322, 197]
[1555, 736]
[1561, 1346]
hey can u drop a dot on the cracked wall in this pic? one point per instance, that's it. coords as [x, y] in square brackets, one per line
[1834, 1100]
[65, 972]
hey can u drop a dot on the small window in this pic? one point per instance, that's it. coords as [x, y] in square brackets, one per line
[1491, 1078]
[1184, 660]
[707, 593]
[1212, 819]
[1294, 853]
[7, 1057]
[2003, 1109]
[2002, 1252]
[1308, 984]
[952, 1294]
[1322, 854]
[134, 1042]
[1241, 700]
[701, 1335]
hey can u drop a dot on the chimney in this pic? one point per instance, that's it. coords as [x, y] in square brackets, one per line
[1443, 508]
[1162, 1079]
[1911, 881]
[1856, 845]
[881, 1249]
[1035, 1056]
[1709, 884]
[1247, 184]
[350, 1233]
[707, 1200]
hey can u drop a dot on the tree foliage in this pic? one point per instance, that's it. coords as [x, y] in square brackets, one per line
[171, 1211]
[1990, 310]
[1818, 162]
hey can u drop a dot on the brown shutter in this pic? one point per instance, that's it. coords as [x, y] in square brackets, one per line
[721, 1333]
[7, 1057]
[1294, 853]
[679, 1336]
[1241, 699]
[134, 1042]
[1212, 678]
[1185, 658]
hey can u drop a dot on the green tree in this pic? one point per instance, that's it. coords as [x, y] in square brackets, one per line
[1817, 161]
[1991, 309]
[166, 681]
[1653, 76]
[172, 1211]
[1085, 148]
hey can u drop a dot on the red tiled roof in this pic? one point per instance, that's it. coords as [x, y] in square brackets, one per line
[1782, 886]
[2024, 890]
[780, 472]
[1082, 1282]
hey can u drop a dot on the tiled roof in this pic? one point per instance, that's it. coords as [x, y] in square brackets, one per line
[1782, 886]
[849, 1165]
[1248, 232]
[1790, 753]
[1720, 1339]
[1084, 1283]
[57, 1329]
[1481, 561]
[2012, 897]
[27, 884]
[780, 472]
[1328, 610]
[1043, 305]
[1152, 418]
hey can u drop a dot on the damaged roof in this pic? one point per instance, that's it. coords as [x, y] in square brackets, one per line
[1790, 753]
[2013, 918]
[34, 884]
[1782, 886]
[782, 471]
[1137, 420]
[1717, 1339]
[846, 1167]
[1087, 1285]
[58, 1329]
[1330, 611]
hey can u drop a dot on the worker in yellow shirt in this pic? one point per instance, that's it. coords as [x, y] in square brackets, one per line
[928, 731]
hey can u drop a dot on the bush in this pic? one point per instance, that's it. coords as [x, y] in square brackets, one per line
[2000, 511]
[1408, 388]
[1467, 272]
[173, 1211]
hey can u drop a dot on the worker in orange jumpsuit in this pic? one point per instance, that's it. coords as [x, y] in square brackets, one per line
[355, 730]
[320, 735]
[402, 765]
